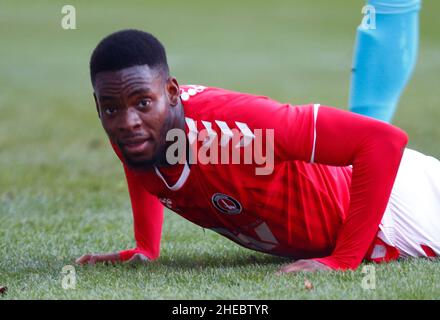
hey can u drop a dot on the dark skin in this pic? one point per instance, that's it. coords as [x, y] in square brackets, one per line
[137, 106]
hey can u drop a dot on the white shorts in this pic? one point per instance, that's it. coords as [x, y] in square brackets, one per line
[411, 221]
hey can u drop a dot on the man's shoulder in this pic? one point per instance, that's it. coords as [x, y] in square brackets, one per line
[203, 102]
[205, 94]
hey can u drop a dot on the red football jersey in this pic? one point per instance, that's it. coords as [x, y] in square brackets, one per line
[311, 205]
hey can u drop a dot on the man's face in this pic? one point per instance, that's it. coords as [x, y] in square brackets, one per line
[134, 105]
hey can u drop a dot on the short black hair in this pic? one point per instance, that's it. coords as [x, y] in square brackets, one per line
[127, 48]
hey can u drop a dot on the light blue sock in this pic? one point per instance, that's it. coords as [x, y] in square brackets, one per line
[384, 58]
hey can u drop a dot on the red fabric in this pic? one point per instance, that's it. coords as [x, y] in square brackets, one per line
[172, 174]
[325, 210]
[387, 253]
[428, 251]
[375, 150]
[147, 216]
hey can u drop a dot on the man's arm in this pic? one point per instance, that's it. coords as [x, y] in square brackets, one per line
[147, 218]
[330, 136]
[375, 150]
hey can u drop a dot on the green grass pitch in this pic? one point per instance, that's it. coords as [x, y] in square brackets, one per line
[62, 190]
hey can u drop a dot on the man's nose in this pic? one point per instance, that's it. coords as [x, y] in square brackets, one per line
[130, 121]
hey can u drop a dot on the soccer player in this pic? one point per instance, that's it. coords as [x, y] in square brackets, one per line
[330, 199]
[384, 57]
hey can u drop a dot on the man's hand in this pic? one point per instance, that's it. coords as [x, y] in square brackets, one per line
[138, 258]
[112, 257]
[92, 259]
[305, 265]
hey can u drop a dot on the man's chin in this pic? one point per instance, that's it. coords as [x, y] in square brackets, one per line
[139, 164]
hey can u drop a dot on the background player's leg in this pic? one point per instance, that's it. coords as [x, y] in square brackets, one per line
[384, 58]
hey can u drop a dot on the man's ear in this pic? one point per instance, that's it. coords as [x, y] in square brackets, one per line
[173, 91]
[96, 104]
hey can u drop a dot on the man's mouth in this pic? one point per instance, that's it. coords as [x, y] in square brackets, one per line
[136, 144]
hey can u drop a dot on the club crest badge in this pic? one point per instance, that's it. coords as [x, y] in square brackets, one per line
[226, 204]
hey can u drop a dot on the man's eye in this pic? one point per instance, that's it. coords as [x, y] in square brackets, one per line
[144, 103]
[110, 110]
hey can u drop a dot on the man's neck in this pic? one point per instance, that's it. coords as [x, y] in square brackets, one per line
[177, 122]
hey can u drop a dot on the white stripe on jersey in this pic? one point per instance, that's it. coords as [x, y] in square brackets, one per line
[315, 116]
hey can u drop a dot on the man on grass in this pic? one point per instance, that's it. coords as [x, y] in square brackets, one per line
[325, 187]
